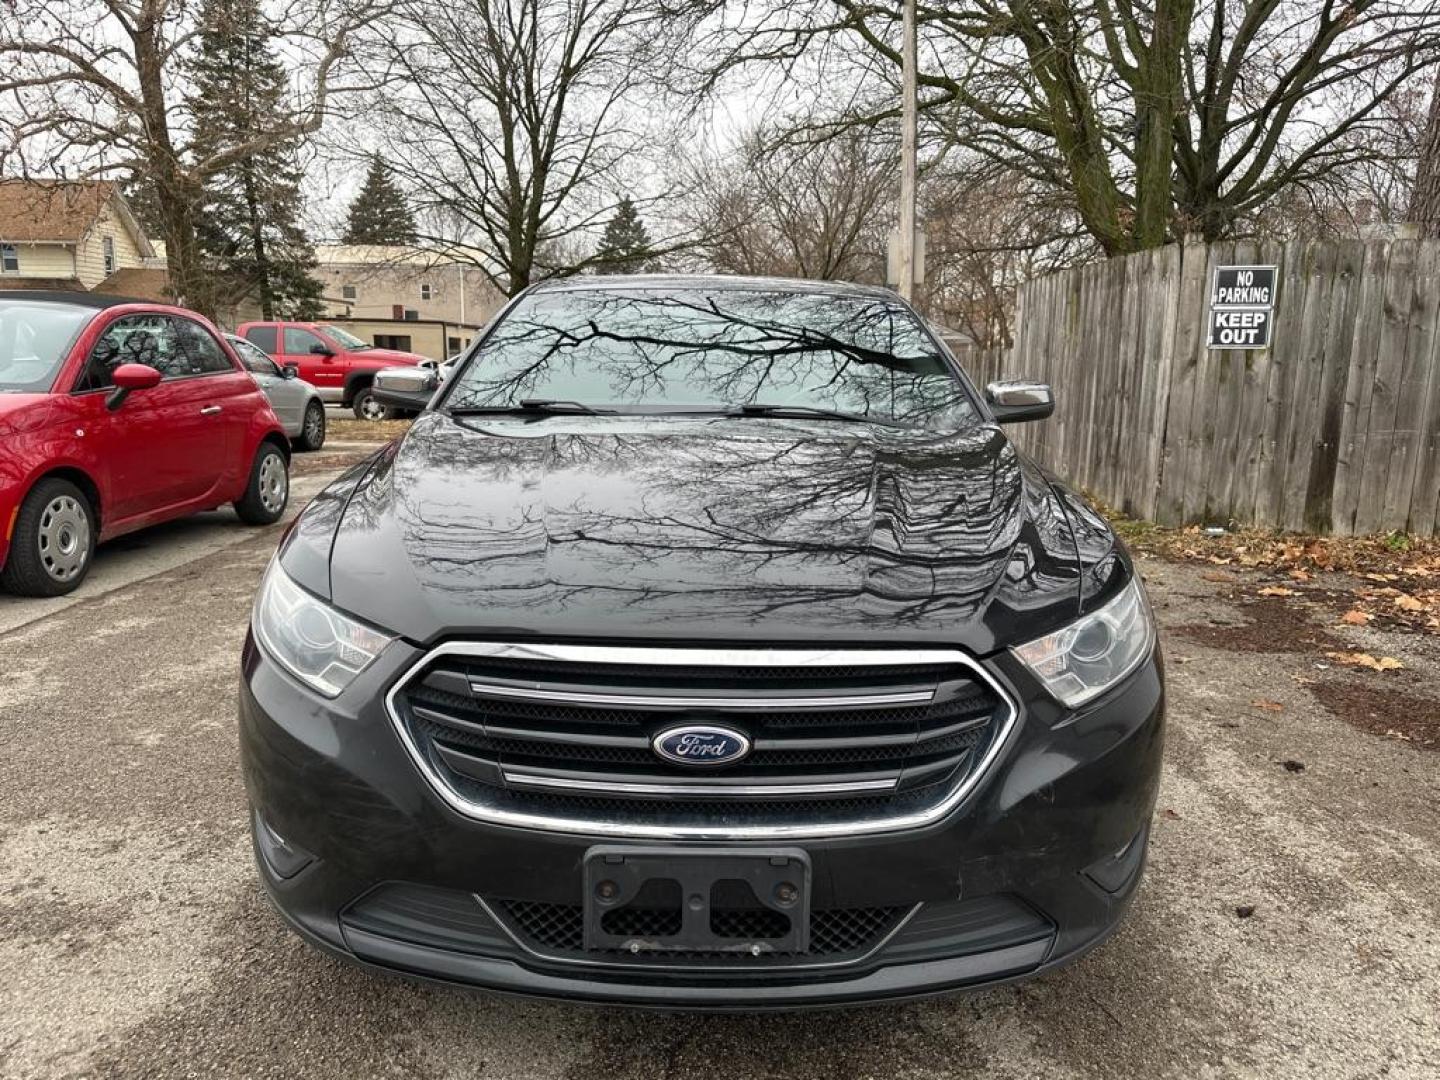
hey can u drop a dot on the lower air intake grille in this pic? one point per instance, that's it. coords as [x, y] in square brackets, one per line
[838, 932]
[457, 922]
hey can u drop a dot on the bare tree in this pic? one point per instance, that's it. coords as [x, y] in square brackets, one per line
[94, 88]
[1371, 192]
[788, 208]
[512, 124]
[1160, 118]
[988, 230]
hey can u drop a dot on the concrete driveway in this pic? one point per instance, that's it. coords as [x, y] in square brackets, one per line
[1287, 926]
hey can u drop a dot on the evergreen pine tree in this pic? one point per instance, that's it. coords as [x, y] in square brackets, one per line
[249, 230]
[379, 213]
[625, 246]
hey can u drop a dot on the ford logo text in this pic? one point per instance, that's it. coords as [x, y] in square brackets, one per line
[701, 745]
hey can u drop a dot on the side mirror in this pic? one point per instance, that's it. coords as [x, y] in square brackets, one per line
[128, 377]
[405, 387]
[321, 350]
[1016, 402]
[289, 371]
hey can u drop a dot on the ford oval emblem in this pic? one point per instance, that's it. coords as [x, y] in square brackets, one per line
[701, 744]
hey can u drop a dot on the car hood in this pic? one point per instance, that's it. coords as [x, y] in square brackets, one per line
[695, 530]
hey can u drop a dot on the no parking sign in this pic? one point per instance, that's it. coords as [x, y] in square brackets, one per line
[1242, 307]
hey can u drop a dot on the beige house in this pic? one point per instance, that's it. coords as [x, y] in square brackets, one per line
[391, 295]
[66, 234]
[365, 281]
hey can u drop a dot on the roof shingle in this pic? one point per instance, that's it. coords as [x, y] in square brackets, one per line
[55, 210]
[147, 282]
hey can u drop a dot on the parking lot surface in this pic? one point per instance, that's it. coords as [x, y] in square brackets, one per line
[1287, 925]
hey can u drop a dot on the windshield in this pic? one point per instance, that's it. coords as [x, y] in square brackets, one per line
[715, 350]
[344, 337]
[34, 340]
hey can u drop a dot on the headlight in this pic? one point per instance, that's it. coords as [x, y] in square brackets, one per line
[309, 638]
[1096, 651]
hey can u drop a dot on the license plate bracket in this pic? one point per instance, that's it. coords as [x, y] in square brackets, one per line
[666, 900]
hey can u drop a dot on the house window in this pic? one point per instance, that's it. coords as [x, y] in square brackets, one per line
[107, 246]
[9, 259]
[400, 342]
[424, 290]
[347, 292]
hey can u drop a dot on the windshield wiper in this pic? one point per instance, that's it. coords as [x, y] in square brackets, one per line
[542, 406]
[754, 408]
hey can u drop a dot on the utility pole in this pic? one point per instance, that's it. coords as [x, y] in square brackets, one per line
[906, 244]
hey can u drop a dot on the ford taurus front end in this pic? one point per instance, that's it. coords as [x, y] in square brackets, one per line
[705, 644]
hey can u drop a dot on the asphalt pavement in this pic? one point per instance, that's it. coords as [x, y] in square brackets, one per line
[1287, 925]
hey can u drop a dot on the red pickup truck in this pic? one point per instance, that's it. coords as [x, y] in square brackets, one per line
[334, 361]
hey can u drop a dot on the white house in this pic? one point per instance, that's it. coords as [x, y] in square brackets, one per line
[66, 234]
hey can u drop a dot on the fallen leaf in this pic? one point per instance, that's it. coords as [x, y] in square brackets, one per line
[1299, 575]
[1244, 911]
[1277, 590]
[1356, 617]
[1268, 706]
[1291, 765]
[1365, 660]
[1383, 577]
[1171, 814]
[1406, 602]
[1225, 578]
[1393, 734]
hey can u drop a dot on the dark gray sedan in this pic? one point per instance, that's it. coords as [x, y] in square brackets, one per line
[295, 401]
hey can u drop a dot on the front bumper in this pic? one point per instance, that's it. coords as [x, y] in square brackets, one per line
[1036, 866]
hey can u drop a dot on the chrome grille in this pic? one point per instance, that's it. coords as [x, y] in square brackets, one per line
[559, 737]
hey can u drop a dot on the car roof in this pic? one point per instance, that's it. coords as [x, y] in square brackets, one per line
[98, 301]
[714, 283]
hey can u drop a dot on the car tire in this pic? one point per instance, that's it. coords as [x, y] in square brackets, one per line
[268, 490]
[368, 408]
[52, 543]
[312, 428]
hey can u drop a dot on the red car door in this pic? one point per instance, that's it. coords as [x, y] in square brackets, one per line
[162, 447]
[128, 443]
[323, 370]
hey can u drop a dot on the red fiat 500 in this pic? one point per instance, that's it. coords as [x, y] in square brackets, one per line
[117, 414]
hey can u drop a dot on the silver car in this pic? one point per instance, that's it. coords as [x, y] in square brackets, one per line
[295, 401]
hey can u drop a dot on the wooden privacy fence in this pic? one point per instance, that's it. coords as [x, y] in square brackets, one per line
[1333, 428]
